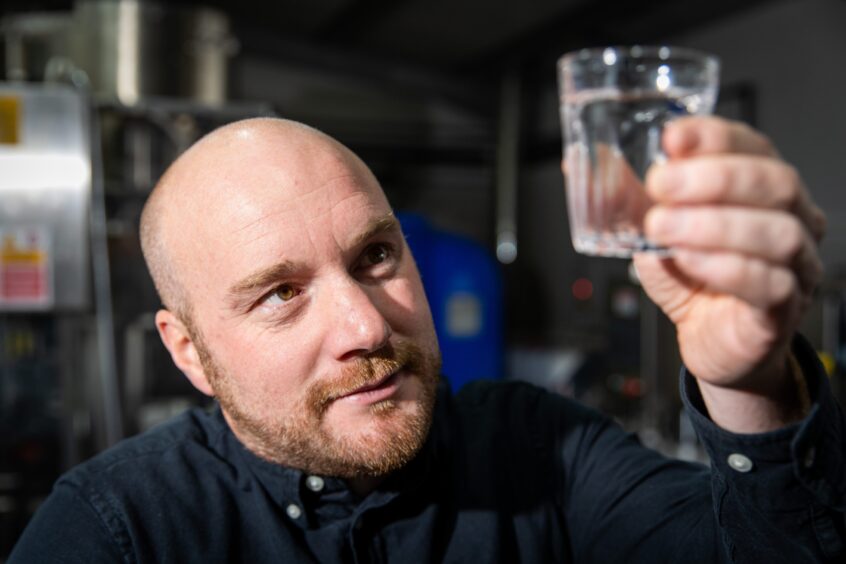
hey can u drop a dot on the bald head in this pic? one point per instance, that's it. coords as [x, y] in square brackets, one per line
[209, 177]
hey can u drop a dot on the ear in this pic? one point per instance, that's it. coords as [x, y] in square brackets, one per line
[179, 343]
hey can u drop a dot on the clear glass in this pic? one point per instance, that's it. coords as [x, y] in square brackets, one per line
[614, 104]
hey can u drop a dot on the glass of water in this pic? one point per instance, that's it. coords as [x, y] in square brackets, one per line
[614, 104]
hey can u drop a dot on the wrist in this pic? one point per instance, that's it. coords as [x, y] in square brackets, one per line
[774, 397]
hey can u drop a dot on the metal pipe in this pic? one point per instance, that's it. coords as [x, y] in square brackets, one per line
[15, 59]
[112, 412]
[507, 165]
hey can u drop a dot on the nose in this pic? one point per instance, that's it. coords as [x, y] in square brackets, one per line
[357, 326]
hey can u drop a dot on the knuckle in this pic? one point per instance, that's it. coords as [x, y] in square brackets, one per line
[745, 138]
[706, 226]
[791, 186]
[782, 285]
[819, 224]
[766, 144]
[758, 179]
[720, 179]
[720, 135]
[755, 140]
[789, 238]
[735, 274]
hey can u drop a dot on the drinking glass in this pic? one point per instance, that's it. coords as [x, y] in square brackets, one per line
[614, 104]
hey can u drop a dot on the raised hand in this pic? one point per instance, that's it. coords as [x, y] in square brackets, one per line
[744, 235]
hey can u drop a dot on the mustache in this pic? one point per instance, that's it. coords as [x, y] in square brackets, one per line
[366, 371]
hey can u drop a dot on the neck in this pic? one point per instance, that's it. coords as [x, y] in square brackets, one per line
[363, 485]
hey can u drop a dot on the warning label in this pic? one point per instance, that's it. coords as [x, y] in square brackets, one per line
[25, 273]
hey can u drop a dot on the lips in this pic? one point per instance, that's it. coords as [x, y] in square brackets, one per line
[373, 385]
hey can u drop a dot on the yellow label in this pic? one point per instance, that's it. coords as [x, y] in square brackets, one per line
[10, 120]
[12, 253]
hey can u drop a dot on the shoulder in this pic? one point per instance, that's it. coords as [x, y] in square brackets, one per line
[115, 495]
[185, 440]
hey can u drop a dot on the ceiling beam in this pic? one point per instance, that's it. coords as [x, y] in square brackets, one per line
[611, 22]
[355, 19]
[368, 68]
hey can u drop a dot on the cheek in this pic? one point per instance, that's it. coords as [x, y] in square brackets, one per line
[267, 366]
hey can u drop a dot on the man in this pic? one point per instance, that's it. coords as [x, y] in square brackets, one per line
[291, 297]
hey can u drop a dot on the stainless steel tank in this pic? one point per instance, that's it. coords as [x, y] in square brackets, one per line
[133, 49]
[32, 41]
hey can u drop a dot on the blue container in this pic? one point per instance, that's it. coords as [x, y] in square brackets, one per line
[464, 289]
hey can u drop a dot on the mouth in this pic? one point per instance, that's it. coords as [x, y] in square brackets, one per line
[379, 390]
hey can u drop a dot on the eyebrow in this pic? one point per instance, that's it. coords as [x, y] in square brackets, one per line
[244, 289]
[384, 224]
[256, 282]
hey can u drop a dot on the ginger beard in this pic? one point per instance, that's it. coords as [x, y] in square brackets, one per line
[299, 439]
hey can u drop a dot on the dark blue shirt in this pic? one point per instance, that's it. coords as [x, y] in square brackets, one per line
[509, 473]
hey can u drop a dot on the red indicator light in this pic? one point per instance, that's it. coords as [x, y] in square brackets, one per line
[582, 289]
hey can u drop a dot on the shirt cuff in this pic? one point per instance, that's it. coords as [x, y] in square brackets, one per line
[777, 469]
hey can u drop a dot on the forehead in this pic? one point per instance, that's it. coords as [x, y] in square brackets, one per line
[299, 207]
[305, 221]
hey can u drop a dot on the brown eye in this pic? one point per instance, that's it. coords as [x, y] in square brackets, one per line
[285, 293]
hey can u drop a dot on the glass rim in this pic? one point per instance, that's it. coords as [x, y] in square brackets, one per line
[615, 52]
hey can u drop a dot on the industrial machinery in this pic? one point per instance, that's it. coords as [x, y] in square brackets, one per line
[89, 119]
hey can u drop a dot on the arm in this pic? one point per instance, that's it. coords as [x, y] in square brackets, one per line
[785, 502]
[625, 503]
[744, 232]
[66, 530]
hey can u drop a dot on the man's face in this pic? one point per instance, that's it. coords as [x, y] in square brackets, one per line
[310, 318]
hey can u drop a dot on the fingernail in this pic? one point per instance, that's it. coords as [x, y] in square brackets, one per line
[665, 181]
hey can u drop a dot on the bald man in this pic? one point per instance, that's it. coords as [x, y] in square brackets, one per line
[291, 297]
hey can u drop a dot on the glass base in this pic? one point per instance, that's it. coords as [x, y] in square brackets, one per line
[610, 245]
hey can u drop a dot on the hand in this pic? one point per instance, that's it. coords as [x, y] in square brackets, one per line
[743, 232]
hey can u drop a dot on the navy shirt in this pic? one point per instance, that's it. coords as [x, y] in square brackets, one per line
[509, 473]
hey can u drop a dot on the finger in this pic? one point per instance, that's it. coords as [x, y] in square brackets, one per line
[775, 236]
[743, 180]
[707, 135]
[726, 179]
[753, 280]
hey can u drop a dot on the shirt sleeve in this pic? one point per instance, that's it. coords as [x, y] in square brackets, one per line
[626, 503]
[66, 529]
[779, 496]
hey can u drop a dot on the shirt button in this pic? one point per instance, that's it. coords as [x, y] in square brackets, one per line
[810, 457]
[740, 462]
[293, 511]
[314, 483]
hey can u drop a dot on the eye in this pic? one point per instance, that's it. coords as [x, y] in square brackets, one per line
[283, 293]
[376, 254]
